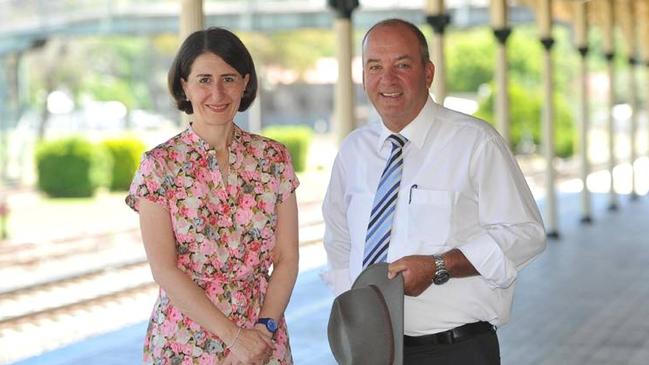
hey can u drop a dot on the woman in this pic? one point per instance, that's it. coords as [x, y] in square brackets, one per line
[217, 209]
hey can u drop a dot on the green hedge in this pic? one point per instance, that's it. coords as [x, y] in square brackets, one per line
[525, 117]
[296, 138]
[72, 167]
[126, 153]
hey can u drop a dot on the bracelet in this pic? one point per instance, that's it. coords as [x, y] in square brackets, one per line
[236, 337]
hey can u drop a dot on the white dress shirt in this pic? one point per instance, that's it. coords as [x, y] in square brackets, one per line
[461, 188]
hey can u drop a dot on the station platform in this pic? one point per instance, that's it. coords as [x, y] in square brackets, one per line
[583, 301]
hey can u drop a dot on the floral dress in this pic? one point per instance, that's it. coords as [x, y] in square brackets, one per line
[224, 236]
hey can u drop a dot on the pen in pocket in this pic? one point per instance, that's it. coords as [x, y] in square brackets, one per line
[413, 186]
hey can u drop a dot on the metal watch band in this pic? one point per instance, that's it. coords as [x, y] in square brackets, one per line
[441, 272]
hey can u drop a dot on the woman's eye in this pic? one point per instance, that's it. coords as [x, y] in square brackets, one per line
[229, 79]
[204, 80]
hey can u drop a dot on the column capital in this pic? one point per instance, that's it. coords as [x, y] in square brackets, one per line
[547, 43]
[583, 51]
[439, 22]
[502, 34]
[343, 8]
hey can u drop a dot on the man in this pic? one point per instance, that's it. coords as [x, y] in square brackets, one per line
[452, 211]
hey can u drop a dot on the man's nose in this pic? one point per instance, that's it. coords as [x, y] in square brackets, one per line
[389, 75]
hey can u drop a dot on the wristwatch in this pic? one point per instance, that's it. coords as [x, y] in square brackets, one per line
[270, 324]
[441, 272]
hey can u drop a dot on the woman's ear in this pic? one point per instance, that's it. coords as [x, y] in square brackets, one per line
[246, 79]
[183, 83]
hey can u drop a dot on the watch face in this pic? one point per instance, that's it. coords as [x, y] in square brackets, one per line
[441, 277]
[271, 325]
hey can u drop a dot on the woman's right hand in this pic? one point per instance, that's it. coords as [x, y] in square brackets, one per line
[251, 347]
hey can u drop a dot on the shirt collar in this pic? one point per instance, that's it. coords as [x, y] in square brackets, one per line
[202, 146]
[417, 130]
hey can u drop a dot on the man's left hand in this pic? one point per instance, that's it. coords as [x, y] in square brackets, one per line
[417, 270]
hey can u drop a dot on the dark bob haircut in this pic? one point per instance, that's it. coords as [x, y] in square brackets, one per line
[222, 43]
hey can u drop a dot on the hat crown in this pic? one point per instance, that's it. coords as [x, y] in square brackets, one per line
[366, 322]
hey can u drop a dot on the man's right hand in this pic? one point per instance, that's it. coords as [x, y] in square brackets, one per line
[417, 270]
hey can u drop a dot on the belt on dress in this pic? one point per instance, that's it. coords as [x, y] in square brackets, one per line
[454, 335]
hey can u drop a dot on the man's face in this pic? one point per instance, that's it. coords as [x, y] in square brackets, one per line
[394, 76]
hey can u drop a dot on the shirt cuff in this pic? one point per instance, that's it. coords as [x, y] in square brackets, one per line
[490, 261]
[337, 280]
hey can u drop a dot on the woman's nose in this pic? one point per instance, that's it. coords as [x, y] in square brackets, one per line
[217, 89]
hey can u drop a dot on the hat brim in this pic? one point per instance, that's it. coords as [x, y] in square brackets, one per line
[359, 329]
[393, 294]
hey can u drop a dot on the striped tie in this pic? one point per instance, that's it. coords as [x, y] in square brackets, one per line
[385, 203]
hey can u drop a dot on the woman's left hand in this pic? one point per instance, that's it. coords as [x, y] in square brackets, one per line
[252, 348]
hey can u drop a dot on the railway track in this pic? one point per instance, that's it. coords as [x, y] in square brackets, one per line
[73, 289]
[27, 254]
[64, 295]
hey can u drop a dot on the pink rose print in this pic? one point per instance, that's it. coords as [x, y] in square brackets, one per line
[214, 290]
[243, 216]
[206, 359]
[246, 201]
[174, 314]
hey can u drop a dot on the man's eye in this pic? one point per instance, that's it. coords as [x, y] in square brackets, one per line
[403, 65]
[374, 67]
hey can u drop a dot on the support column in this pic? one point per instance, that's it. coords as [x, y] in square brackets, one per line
[255, 123]
[192, 17]
[581, 41]
[344, 116]
[191, 20]
[5, 106]
[629, 30]
[643, 23]
[11, 105]
[545, 32]
[438, 20]
[635, 108]
[501, 32]
[9, 82]
[609, 53]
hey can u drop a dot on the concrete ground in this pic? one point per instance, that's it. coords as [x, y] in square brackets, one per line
[583, 301]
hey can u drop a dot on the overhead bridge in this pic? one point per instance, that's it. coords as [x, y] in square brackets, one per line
[23, 27]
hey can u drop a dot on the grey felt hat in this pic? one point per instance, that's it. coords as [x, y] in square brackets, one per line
[366, 322]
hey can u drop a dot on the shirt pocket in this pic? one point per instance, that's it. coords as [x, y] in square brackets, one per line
[429, 219]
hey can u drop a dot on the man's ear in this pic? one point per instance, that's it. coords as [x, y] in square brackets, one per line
[430, 73]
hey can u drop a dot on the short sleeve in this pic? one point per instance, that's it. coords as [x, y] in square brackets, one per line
[149, 182]
[288, 181]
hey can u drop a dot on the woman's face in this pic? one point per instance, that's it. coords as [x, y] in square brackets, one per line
[214, 89]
